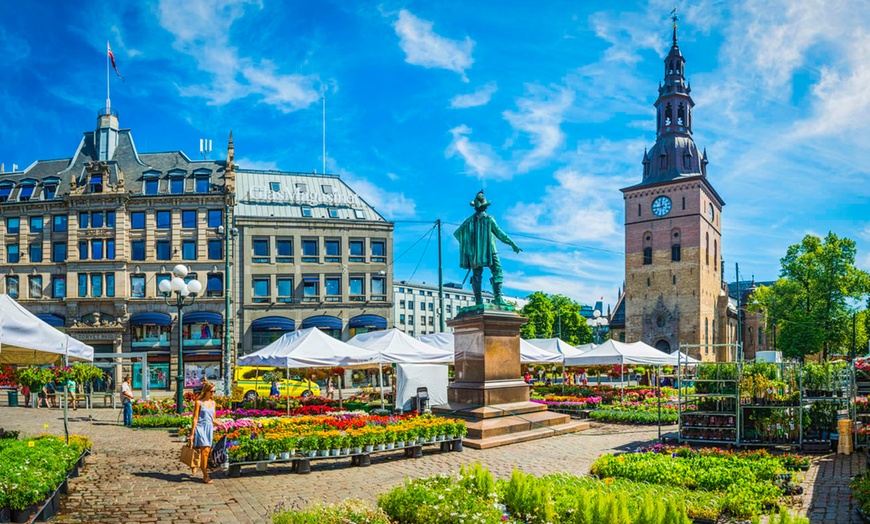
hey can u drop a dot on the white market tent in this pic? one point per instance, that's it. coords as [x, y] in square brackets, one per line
[26, 339]
[556, 345]
[612, 352]
[684, 358]
[396, 347]
[586, 347]
[529, 354]
[309, 348]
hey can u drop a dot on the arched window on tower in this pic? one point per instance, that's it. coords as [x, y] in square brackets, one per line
[647, 248]
[708, 249]
[707, 331]
[715, 254]
[681, 114]
[663, 159]
[749, 339]
[675, 245]
[668, 114]
[658, 118]
[713, 338]
[671, 67]
[687, 160]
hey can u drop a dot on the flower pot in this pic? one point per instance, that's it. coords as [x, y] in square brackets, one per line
[345, 451]
[400, 444]
[23, 515]
[285, 455]
[47, 512]
[369, 448]
[323, 453]
[82, 461]
[334, 452]
[311, 453]
[391, 445]
[273, 456]
[55, 501]
[5, 514]
[380, 447]
[74, 472]
[64, 488]
[357, 451]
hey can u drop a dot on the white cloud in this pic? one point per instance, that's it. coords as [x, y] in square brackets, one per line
[257, 165]
[583, 291]
[390, 204]
[201, 29]
[424, 47]
[479, 97]
[392, 176]
[480, 160]
[540, 116]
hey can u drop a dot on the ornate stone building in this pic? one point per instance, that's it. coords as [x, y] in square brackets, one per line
[674, 292]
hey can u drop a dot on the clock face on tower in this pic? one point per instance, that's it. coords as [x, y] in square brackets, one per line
[661, 206]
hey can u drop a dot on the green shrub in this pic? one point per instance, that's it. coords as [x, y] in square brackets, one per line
[529, 499]
[350, 510]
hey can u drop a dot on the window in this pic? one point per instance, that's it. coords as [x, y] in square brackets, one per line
[160, 278]
[202, 183]
[214, 285]
[164, 219]
[83, 220]
[13, 225]
[151, 185]
[36, 224]
[411, 304]
[401, 319]
[96, 285]
[261, 250]
[638, 210]
[378, 288]
[707, 331]
[35, 286]
[674, 277]
[95, 184]
[333, 250]
[327, 189]
[48, 191]
[137, 286]
[684, 203]
[310, 289]
[26, 192]
[188, 219]
[110, 219]
[176, 184]
[333, 212]
[83, 284]
[163, 250]
[275, 186]
[333, 289]
[359, 213]
[261, 290]
[58, 286]
[60, 223]
[301, 187]
[309, 251]
[356, 248]
[58, 252]
[708, 248]
[411, 320]
[5, 189]
[96, 220]
[664, 161]
[97, 249]
[12, 286]
[137, 250]
[188, 250]
[431, 321]
[356, 287]
[715, 254]
[687, 159]
[448, 308]
[83, 250]
[110, 284]
[284, 249]
[431, 305]
[675, 253]
[285, 289]
[137, 220]
[379, 251]
[110, 249]
[647, 256]
[215, 249]
[215, 218]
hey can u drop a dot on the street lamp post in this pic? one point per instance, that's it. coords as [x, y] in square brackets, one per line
[227, 233]
[185, 295]
[598, 322]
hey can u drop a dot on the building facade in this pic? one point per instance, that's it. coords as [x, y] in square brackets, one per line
[674, 293]
[417, 308]
[87, 239]
[314, 254]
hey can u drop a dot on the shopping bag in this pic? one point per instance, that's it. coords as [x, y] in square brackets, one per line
[190, 456]
[218, 455]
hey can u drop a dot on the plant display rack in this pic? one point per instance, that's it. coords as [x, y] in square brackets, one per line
[828, 394]
[301, 463]
[770, 404]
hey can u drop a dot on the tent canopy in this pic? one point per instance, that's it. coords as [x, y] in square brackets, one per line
[585, 347]
[395, 347]
[529, 354]
[556, 345]
[684, 358]
[612, 352]
[25, 339]
[309, 348]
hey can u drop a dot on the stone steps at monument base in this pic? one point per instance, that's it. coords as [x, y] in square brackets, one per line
[494, 427]
[535, 434]
[470, 411]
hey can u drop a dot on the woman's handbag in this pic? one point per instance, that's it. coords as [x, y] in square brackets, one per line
[190, 456]
[218, 456]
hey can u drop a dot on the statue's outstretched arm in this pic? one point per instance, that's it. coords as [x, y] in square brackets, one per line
[501, 235]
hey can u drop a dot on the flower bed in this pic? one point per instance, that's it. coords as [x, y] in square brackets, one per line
[568, 402]
[638, 412]
[861, 493]
[183, 421]
[749, 482]
[32, 469]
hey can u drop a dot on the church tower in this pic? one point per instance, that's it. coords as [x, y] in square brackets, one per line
[673, 230]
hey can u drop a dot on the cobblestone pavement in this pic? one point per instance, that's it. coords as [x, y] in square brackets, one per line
[134, 475]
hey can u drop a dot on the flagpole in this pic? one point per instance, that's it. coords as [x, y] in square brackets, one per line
[108, 98]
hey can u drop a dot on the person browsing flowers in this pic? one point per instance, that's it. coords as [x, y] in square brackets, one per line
[202, 428]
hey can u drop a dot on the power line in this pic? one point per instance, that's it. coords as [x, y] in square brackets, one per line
[423, 254]
[559, 242]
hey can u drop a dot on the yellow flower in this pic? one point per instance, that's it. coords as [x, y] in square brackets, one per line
[608, 480]
[30, 444]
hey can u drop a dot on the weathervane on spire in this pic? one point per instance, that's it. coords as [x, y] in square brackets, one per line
[675, 18]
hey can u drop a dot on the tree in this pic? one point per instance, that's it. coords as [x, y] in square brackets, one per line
[812, 303]
[555, 316]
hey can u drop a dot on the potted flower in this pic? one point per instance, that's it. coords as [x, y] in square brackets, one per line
[379, 440]
[368, 441]
[390, 437]
[344, 444]
[309, 444]
[272, 447]
[356, 441]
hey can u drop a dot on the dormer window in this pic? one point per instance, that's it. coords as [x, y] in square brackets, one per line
[663, 158]
[95, 184]
[26, 191]
[275, 186]
[5, 190]
[202, 183]
[48, 191]
[151, 183]
[176, 183]
[687, 161]
[327, 189]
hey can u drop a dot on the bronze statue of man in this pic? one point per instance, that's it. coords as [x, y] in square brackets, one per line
[477, 249]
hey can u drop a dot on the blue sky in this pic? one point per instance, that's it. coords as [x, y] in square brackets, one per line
[545, 105]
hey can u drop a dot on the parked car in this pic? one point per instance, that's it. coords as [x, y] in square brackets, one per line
[248, 382]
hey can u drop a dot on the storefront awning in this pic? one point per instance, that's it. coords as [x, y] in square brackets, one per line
[322, 321]
[273, 323]
[157, 319]
[52, 319]
[368, 321]
[206, 317]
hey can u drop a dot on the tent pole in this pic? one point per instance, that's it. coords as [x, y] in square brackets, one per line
[659, 396]
[381, 378]
[66, 393]
[621, 380]
[287, 384]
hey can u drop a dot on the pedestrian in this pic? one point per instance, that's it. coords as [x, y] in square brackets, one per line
[127, 400]
[202, 428]
[71, 388]
[549, 382]
[527, 377]
[26, 392]
[330, 388]
[51, 393]
[42, 397]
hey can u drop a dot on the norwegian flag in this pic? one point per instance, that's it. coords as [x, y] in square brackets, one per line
[112, 58]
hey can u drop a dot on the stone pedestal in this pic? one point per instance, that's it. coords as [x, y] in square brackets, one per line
[488, 390]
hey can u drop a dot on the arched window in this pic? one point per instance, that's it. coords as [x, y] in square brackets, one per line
[647, 256]
[664, 160]
[668, 114]
[749, 339]
[760, 337]
[715, 254]
[681, 114]
[706, 331]
[708, 248]
[675, 252]
[687, 161]
[713, 339]
[659, 118]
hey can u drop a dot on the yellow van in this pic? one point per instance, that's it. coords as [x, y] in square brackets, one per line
[248, 383]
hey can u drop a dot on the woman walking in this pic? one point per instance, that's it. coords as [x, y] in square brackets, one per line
[202, 428]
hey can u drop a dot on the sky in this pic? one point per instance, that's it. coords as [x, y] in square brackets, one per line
[547, 106]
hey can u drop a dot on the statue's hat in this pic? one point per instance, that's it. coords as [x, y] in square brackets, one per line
[480, 201]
